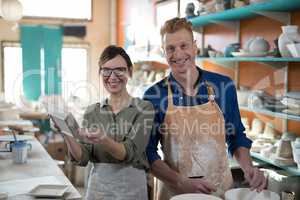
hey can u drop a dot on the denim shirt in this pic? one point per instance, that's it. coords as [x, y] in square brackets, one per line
[226, 98]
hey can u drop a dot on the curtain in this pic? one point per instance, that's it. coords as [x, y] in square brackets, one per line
[33, 40]
[52, 62]
[31, 43]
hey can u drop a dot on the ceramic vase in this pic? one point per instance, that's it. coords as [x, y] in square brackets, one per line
[289, 35]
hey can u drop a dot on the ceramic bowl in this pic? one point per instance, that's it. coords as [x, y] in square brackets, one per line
[195, 197]
[246, 193]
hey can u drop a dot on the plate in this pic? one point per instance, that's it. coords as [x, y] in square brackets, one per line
[246, 193]
[249, 54]
[48, 190]
[195, 197]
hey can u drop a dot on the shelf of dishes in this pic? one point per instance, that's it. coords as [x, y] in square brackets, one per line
[271, 113]
[244, 12]
[292, 170]
[249, 59]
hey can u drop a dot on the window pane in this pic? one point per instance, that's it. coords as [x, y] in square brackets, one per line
[74, 73]
[12, 73]
[72, 9]
[165, 11]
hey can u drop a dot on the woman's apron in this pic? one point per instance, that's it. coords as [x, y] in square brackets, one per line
[193, 143]
[116, 182]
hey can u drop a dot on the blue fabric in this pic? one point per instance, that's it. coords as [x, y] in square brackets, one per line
[33, 39]
[31, 43]
[52, 51]
[226, 98]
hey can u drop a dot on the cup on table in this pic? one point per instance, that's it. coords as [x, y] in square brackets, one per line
[20, 151]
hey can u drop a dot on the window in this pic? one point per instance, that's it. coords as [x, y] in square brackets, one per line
[74, 71]
[70, 9]
[165, 11]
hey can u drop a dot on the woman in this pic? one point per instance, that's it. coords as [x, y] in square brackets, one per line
[116, 135]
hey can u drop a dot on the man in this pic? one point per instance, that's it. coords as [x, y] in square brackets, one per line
[196, 113]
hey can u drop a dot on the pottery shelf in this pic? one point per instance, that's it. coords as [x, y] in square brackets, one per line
[230, 61]
[275, 9]
[292, 170]
[271, 113]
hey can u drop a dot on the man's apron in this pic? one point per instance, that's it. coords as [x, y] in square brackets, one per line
[193, 144]
[116, 182]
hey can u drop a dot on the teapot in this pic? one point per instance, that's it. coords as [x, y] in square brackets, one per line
[257, 44]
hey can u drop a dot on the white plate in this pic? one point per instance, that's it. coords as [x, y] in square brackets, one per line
[48, 191]
[249, 54]
[10, 138]
[246, 193]
[195, 197]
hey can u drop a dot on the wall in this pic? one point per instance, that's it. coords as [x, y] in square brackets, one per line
[252, 74]
[98, 36]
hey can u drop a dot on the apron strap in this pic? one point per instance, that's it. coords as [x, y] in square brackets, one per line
[170, 94]
[210, 91]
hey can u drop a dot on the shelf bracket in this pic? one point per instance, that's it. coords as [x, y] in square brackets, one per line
[235, 25]
[275, 64]
[283, 17]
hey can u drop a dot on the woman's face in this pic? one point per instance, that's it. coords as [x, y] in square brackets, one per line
[115, 74]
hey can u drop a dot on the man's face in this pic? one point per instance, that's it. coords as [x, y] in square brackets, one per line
[180, 51]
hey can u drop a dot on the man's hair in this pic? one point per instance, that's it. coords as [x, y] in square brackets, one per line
[111, 52]
[176, 24]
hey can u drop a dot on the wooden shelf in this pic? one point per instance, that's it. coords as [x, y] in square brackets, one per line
[292, 170]
[271, 113]
[249, 11]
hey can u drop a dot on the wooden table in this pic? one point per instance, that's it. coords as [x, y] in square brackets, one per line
[18, 179]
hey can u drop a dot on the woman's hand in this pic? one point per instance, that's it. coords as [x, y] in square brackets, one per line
[95, 137]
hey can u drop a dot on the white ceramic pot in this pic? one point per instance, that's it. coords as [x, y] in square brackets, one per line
[289, 35]
[243, 97]
[259, 44]
[284, 149]
[246, 193]
[194, 197]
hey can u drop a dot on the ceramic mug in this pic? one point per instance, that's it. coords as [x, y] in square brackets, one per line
[284, 149]
[257, 126]
[20, 151]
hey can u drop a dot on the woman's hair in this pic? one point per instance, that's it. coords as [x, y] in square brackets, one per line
[111, 52]
[176, 24]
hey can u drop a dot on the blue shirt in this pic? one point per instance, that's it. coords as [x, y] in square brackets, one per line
[226, 98]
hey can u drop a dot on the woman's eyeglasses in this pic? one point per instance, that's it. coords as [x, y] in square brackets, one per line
[119, 71]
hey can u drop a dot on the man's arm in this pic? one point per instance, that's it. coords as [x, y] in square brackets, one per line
[238, 143]
[252, 174]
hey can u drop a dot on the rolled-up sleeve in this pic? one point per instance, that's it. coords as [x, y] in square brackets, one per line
[235, 136]
[136, 141]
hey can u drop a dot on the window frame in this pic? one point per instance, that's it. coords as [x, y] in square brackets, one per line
[84, 45]
[63, 18]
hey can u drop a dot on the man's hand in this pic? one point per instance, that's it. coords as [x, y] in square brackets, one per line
[94, 137]
[194, 185]
[255, 177]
